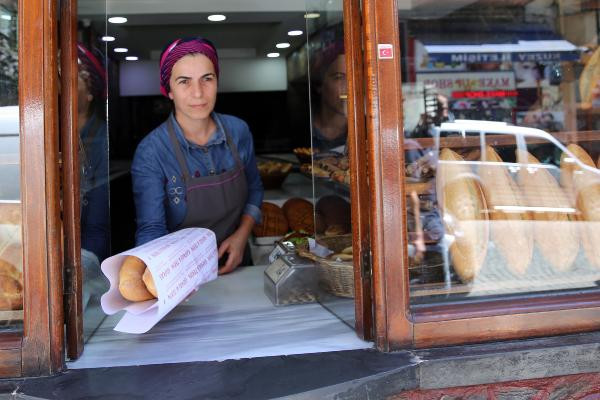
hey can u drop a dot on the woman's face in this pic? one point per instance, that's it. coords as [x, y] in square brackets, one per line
[334, 90]
[84, 97]
[193, 87]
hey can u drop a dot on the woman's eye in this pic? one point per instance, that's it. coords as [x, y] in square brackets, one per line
[183, 82]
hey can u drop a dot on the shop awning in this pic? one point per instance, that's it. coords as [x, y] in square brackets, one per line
[516, 51]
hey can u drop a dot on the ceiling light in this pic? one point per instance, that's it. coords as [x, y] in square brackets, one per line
[131, 58]
[311, 15]
[107, 38]
[117, 20]
[6, 17]
[121, 50]
[282, 45]
[295, 33]
[216, 17]
[273, 55]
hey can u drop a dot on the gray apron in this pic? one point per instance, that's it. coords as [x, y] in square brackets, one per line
[214, 202]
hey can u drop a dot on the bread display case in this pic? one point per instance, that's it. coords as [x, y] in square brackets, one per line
[512, 224]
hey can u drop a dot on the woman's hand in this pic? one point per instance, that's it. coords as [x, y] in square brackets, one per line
[235, 245]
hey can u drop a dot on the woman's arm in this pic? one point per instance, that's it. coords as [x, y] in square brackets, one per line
[148, 194]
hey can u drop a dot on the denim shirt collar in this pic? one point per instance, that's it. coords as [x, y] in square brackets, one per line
[217, 138]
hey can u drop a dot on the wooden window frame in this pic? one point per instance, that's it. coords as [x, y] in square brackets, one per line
[39, 350]
[396, 325]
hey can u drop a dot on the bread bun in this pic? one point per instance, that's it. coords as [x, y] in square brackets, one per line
[299, 214]
[149, 282]
[464, 213]
[335, 211]
[511, 232]
[584, 186]
[11, 293]
[131, 284]
[555, 232]
[273, 222]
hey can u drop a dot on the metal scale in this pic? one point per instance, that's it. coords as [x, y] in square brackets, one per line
[290, 279]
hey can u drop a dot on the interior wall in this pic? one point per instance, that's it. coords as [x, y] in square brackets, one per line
[140, 78]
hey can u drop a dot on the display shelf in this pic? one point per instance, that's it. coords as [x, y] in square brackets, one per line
[499, 140]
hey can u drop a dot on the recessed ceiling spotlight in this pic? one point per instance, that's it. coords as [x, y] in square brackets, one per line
[117, 20]
[295, 33]
[131, 58]
[273, 55]
[107, 38]
[282, 45]
[311, 15]
[121, 50]
[6, 17]
[217, 17]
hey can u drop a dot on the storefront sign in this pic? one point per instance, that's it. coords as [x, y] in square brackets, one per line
[448, 83]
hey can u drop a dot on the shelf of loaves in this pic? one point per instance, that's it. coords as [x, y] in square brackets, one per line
[499, 140]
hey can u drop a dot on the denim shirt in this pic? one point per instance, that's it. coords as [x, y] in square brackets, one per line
[158, 186]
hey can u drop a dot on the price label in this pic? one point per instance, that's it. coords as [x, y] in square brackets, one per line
[276, 270]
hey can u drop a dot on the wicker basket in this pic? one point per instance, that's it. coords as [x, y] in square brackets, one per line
[335, 277]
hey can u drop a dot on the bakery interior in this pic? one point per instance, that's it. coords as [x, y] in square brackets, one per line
[274, 96]
[463, 244]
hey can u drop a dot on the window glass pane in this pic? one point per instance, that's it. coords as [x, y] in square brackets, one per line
[501, 105]
[95, 179]
[329, 163]
[11, 250]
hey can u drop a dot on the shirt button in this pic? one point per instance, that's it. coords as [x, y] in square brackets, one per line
[204, 149]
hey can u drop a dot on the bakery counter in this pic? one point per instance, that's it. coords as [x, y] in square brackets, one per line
[228, 318]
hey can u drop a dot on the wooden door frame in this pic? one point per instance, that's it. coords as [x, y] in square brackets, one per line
[397, 326]
[39, 350]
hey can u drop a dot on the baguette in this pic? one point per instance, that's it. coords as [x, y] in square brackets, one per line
[131, 284]
[554, 230]
[588, 79]
[510, 231]
[585, 188]
[463, 210]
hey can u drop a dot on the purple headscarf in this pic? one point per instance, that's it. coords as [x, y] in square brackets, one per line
[182, 47]
[92, 71]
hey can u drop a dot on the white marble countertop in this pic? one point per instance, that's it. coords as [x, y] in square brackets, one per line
[229, 318]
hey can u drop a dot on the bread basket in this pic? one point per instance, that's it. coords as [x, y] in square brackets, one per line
[335, 277]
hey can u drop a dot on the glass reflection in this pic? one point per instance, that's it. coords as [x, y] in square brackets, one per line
[500, 149]
[11, 249]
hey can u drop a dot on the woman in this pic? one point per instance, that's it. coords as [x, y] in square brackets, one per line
[93, 160]
[330, 118]
[198, 168]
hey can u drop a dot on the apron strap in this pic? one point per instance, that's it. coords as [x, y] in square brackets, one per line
[178, 154]
[232, 146]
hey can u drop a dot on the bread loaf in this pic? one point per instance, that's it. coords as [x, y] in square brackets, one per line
[553, 218]
[11, 293]
[149, 282]
[299, 214]
[588, 79]
[336, 212]
[131, 284]
[584, 187]
[273, 222]
[510, 231]
[463, 209]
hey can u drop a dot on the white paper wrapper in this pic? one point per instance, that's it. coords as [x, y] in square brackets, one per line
[179, 262]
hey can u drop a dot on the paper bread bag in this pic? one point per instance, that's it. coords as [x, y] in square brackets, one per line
[179, 263]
